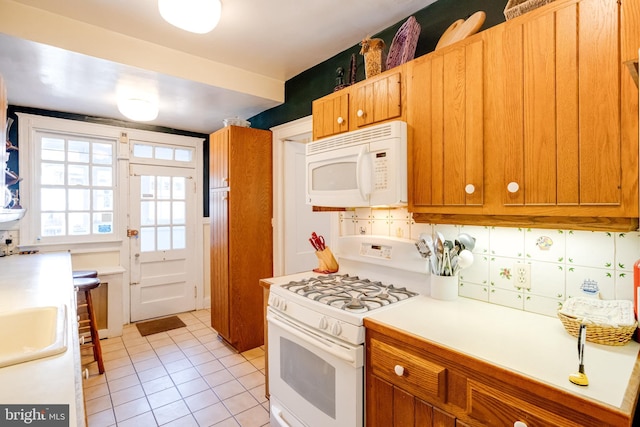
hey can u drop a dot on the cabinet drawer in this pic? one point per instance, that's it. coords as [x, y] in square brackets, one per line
[408, 371]
[496, 408]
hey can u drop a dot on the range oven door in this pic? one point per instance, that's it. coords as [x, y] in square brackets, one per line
[313, 381]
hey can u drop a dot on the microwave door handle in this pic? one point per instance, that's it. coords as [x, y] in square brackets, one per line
[363, 173]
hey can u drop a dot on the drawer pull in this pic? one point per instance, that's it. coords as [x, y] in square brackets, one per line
[400, 371]
[519, 424]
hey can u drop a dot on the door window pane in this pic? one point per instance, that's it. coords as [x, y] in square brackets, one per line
[147, 187]
[147, 239]
[164, 213]
[164, 238]
[182, 155]
[179, 188]
[179, 237]
[163, 153]
[147, 213]
[164, 187]
[179, 212]
[143, 151]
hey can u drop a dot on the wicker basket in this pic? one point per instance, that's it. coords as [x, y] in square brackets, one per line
[599, 334]
[403, 46]
[516, 8]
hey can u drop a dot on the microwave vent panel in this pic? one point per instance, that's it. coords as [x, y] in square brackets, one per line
[350, 139]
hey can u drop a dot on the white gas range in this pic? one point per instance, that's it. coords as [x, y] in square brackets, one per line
[316, 332]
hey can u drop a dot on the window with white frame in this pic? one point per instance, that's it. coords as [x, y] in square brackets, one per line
[76, 187]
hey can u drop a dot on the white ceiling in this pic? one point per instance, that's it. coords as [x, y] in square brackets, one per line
[77, 55]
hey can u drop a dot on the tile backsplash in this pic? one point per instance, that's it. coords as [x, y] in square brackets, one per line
[562, 263]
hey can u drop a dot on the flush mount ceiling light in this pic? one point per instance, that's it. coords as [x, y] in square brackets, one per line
[196, 16]
[137, 109]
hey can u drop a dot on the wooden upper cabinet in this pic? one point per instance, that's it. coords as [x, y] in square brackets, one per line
[377, 99]
[331, 114]
[562, 141]
[445, 116]
[369, 102]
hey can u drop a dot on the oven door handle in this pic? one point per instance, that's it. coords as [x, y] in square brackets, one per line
[277, 415]
[312, 339]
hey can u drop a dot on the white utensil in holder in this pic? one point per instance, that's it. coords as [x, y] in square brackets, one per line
[444, 287]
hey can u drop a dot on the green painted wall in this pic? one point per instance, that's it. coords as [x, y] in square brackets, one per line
[319, 80]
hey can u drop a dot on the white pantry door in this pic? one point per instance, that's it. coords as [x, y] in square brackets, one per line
[162, 202]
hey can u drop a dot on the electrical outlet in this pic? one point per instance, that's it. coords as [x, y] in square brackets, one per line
[522, 276]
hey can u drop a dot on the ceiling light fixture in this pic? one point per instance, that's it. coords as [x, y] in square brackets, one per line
[196, 16]
[139, 110]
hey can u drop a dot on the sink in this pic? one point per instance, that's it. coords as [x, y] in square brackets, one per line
[32, 333]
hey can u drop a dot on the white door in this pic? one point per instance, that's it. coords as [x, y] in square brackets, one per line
[162, 203]
[299, 219]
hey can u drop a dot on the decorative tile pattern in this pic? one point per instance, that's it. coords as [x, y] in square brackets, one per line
[563, 263]
[184, 377]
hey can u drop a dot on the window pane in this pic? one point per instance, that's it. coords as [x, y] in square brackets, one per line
[178, 188]
[164, 187]
[53, 199]
[102, 154]
[79, 199]
[52, 149]
[163, 153]
[179, 238]
[79, 224]
[78, 151]
[78, 175]
[147, 213]
[142, 151]
[52, 174]
[52, 224]
[179, 212]
[147, 187]
[147, 239]
[164, 213]
[103, 223]
[183, 155]
[102, 176]
[103, 200]
[164, 238]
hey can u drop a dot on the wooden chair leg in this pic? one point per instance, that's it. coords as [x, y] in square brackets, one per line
[95, 339]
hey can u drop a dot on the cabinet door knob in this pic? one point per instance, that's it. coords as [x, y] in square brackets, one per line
[399, 370]
[470, 189]
[340, 120]
[519, 424]
[513, 187]
[360, 113]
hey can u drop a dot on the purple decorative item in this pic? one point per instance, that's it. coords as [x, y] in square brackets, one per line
[352, 69]
[403, 46]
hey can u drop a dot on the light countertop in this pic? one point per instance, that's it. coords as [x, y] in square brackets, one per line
[534, 345]
[42, 280]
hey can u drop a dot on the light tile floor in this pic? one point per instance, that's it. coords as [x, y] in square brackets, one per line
[183, 377]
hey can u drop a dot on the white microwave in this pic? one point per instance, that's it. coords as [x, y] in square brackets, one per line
[361, 168]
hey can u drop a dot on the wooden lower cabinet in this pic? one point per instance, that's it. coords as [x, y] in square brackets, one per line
[415, 382]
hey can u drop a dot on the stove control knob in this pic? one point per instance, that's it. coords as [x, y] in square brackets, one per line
[282, 305]
[324, 323]
[337, 329]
